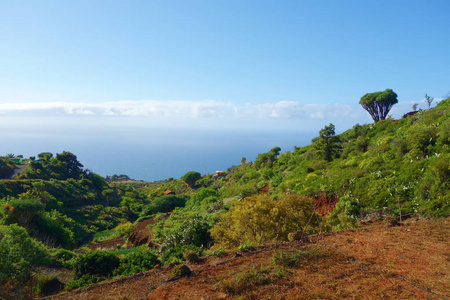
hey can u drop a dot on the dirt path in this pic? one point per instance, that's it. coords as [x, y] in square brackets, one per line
[107, 244]
[16, 172]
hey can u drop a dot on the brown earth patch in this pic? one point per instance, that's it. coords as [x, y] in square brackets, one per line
[324, 204]
[374, 262]
[142, 234]
[265, 189]
[109, 244]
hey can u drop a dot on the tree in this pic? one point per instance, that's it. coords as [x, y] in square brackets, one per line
[191, 177]
[19, 253]
[326, 145]
[428, 100]
[73, 167]
[267, 159]
[414, 107]
[108, 194]
[378, 104]
[45, 156]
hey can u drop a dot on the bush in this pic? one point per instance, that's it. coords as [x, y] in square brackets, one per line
[194, 231]
[202, 196]
[137, 262]
[125, 229]
[295, 236]
[191, 178]
[62, 257]
[84, 280]
[345, 213]
[175, 255]
[99, 263]
[19, 253]
[190, 255]
[247, 220]
[57, 230]
[181, 270]
[23, 209]
[164, 204]
[47, 285]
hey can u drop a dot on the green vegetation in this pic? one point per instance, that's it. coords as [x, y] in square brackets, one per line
[181, 270]
[191, 178]
[259, 219]
[378, 104]
[388, 169]
[19, 254]
[6, 166]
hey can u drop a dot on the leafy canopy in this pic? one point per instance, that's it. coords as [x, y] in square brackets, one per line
[326, 146]
[191, 177]
[378, 104]
[18, 253]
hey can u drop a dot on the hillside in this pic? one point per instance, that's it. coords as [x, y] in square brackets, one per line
[63, 227]
[374, 262]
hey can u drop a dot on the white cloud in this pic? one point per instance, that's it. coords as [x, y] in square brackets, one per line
[201, 113]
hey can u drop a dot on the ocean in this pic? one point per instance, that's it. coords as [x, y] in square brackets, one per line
[152, 154]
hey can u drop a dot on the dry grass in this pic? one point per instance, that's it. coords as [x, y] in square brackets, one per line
[377, 262]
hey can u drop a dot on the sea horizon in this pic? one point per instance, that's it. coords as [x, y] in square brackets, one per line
[156, 154]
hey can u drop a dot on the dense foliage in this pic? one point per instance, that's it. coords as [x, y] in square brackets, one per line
[19, 254]
[259, 219]
[6, 166]
[378, 104]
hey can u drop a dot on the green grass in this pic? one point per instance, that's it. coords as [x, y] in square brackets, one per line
[129, 251]
[106, 235]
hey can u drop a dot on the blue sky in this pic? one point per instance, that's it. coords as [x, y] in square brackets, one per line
[239, 64]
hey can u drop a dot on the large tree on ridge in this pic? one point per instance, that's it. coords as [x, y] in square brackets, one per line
[378, 104]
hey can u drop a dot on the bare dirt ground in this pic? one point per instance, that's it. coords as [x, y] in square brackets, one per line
[411, 261]
[109, 244]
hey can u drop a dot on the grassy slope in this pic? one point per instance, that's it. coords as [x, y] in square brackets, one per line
[380, 165]
[374, 262]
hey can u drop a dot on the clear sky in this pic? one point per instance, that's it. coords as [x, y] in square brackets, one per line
[217, 63]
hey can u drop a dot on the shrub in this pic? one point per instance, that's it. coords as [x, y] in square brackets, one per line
[181, 270]
[246, 247]
[201, 196]
[259, 219]
[23, 209]
[84, 280]
[97, 262]
[47, 285]
[190, 255]
[164, 203]
[345, 213]
[194, 231]
[18, 254]
[191, 177]
[62, 257]
[125, 229]
[137, 262]
[295, 236]
[175, 255]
